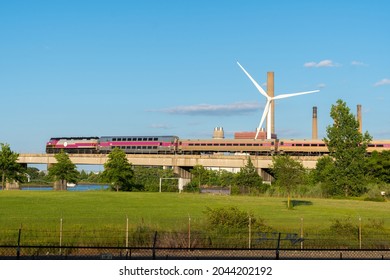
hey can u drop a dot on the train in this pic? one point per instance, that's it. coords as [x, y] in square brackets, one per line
[171, 144]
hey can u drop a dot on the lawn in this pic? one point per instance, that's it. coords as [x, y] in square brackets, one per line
[172, 211]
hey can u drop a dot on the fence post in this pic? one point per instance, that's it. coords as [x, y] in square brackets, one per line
[127, 234]
[250, 232]
[18, 248]
[301, 233]
[360, 233]
[189, 231]
[154, 245]
[61, 236]
[278, 246]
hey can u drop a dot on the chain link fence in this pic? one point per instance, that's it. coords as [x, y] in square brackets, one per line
[143, 243]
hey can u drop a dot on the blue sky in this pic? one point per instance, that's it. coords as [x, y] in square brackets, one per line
[97, 68]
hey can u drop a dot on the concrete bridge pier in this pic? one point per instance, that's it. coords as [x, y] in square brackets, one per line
[12, 186]
[267, 177]
[183, 173]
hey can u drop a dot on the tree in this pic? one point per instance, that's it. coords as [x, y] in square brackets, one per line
[64, 170]
[378, 166]
[288, 173]
[199, 174]
[10, 169]
[118, 171]
[347, 146]
[248, 177]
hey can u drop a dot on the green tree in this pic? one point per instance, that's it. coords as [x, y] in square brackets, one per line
[118, 171]
[148, 179]
[199, 175]
[248, 177]
[10, 169]
[378, 166]
[347, 146]
[288, 173]
[64, 170]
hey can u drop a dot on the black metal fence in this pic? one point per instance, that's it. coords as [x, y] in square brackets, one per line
[156, 253]
[146, 244]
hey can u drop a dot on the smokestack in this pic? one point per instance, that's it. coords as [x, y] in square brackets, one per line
[271, 93]
[359, 117]
[218, 133]
[314, 124]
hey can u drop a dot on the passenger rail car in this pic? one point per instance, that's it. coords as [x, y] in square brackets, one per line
[73, 145]
[379, 146]
[304, 147]
[212, 146]
[139, 144]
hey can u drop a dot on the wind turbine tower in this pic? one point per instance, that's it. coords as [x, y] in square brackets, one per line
[269, 108]
[271, 93]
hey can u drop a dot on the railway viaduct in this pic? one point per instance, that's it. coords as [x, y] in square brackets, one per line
[180, 163]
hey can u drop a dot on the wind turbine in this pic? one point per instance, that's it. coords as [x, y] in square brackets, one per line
[267, 108]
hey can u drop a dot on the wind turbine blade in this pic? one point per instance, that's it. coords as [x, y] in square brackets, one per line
[259, 88]
[265, 113]
[293, 94]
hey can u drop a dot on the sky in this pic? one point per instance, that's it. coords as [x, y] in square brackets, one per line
[104, 68]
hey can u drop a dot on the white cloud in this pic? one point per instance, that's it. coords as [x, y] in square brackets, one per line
[160, 126]
[382, 83]
[322, 85]
[322, 63]
[358, 63]
[208, 109]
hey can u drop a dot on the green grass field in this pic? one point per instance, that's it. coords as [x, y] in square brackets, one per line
[171, 211]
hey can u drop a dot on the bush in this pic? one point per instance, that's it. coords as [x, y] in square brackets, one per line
[232, 218]
[345, 227]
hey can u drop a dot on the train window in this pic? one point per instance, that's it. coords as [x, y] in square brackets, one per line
[380, 145]
[190, 144]
[242, 144]
[306, 145]
[123, 147]
[282, 143]
[235, 144]
[250, 144]
[150, 139]
[144, 139]
[314, 145]
[143, 147]
[256, 145]
[209, 144]
[139, 139]
[113, 139]
[298, 145]
[222, 144]
[203, 144]
[228, 144]
[371, 145]
[196, 144]
[272, 143]
[155, 139]
[321, 145]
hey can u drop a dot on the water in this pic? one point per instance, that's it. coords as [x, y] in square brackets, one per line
[77, 188]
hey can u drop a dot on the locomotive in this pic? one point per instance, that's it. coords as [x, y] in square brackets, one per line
[175, 145]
